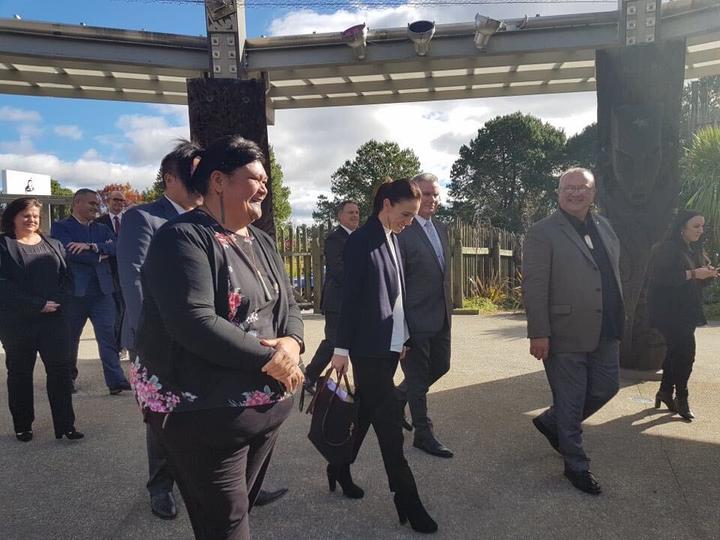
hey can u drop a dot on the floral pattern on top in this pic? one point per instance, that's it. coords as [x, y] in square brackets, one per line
[257, 398]
[149, 392]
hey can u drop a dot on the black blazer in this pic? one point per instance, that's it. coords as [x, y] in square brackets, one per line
[17, 304]
[185, 341]
[674, 302]
[370, 288]
[105, 220]
[334, 272]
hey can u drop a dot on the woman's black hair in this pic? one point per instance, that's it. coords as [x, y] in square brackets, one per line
[225, 155]
[678, 223]
[7, 223]
[402, 189]
[179, 162]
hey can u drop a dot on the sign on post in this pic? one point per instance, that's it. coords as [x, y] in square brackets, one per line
[24, 183]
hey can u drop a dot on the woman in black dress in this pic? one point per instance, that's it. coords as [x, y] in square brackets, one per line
[372, 332]
[219, 342]
[34, 287]
[678, 271]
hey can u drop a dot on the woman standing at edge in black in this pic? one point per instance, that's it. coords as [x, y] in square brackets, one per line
[678, 271]
[219, 343]
[372, 332]
[34, 286]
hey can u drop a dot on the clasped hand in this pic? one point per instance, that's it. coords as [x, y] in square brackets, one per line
[284, 364]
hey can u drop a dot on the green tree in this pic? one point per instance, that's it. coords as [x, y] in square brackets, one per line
[708, 107]
[701, 181]
[581, 150]
[506, 175]
[358, 179]
[57, 190]
[155, 191]
[280, 193]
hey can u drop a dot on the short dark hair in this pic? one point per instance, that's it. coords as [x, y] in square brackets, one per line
[344, 203]
[225, 155]
[7, 222]
[81, 192]
[179, 162]
[402, 189]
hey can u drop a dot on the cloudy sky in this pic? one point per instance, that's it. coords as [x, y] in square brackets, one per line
[86, 143]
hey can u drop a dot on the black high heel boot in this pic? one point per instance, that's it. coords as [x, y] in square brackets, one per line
[71, 434]
[682, 407]
[410, 508]
[341, 475]
[24, 436]
[665, 396]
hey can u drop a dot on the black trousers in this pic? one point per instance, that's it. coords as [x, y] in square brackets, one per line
[375, 393]
[427, 360]
[48, 335]
[679, 360]
[219, 458]
[325, 350]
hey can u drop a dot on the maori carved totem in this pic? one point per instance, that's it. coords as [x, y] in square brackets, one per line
[639, 91]
[226, 104]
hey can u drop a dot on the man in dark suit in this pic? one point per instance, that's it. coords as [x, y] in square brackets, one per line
[89, 246]
[428, 309]
[349, 219]
[116, 203]
[575, 316]
[140, 224]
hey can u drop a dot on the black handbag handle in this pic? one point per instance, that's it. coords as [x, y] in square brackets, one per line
[327, 410]
[325, 378]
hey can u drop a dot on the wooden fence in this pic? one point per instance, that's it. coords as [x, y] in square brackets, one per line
[479, 254]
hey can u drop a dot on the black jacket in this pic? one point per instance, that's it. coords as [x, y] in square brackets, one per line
[370, 288]
[17, 304]
[334, 272]
[187, 347]
[674, 302]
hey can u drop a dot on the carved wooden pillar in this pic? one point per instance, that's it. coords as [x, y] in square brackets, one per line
[220, 107]
[639, 92]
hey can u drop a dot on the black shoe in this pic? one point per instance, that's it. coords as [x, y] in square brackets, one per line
[71, 434]
[682, 407]
[163, 505]
[117, 389]
[584, 481]
[24, 436]
[427, 442]
[410, 508]
[341, 474]
[266, 497]
[665, 396]
[549, 435]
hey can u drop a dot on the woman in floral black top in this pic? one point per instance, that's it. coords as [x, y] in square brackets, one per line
[219, 343]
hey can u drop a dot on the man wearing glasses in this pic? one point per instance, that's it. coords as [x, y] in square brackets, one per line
[575, 316]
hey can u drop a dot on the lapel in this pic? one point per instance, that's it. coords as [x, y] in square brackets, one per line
[419, 230]
[63, 265]
[14, 252]
[390, 271]
[167, 208]
[401, 270]
[572, 234]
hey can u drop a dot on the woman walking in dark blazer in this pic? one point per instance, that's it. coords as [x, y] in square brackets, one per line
[678, 271]
[34, 287]
[372, 332]
[219, 342]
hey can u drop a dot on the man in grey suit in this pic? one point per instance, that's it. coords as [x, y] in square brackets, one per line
[139, 225]
[575, 316]
[428, 310]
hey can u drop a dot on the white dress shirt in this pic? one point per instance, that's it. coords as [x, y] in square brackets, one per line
[180, 209]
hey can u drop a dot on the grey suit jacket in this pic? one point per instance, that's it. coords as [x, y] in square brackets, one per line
[139, 225]
[562, 288]
[428, 302]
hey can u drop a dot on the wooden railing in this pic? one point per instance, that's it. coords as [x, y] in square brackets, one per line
[477, 252]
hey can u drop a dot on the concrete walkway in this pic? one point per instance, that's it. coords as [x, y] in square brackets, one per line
[661, 475]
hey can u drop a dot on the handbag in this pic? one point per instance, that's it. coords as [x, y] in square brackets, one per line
[334, 419]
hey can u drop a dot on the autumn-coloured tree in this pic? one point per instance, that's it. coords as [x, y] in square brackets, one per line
[132, 195]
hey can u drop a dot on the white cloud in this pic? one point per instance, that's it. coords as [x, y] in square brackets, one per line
[12, 114]
[69, 132]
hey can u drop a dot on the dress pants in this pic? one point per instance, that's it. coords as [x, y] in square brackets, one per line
[100, 309]
[377, 406]
[325, 350]
[47, 335]
[427, 360]
[679, 359]
[219, 458]
[581, 384]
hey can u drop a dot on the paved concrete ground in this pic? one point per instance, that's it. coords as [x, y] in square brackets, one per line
[661, 475]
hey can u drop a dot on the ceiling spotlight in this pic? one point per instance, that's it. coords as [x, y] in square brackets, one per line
[484, 28]
[355, 36]
[421, 33]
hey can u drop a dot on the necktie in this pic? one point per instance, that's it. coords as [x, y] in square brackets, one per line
[116, 224]
[435, 241]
